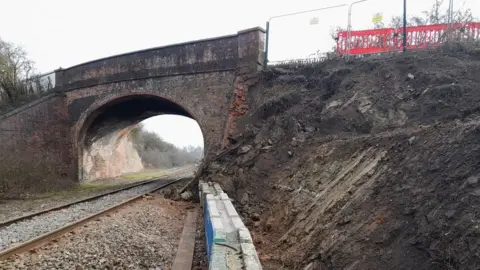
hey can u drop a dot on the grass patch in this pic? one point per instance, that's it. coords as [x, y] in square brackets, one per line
[81, 188]
[146, 175]
[106, 184]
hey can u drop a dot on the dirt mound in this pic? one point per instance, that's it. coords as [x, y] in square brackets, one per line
[373, 164]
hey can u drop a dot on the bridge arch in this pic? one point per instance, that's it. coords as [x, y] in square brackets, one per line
[102, 130]
[208, 77]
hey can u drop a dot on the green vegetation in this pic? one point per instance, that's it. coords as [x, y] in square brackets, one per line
[82, 188]
[159, 154]
[145, 175]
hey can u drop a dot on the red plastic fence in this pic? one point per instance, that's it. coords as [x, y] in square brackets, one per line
[390, 39]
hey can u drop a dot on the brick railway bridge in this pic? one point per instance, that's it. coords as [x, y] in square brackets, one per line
[205, 80]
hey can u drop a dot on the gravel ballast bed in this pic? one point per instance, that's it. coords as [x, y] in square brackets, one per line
[14, 208]
[143, 235]
[28, 229]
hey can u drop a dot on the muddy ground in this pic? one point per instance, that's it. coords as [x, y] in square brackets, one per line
[373, 164]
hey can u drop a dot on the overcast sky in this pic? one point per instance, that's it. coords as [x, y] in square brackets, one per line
[62, 33]
[186, 131]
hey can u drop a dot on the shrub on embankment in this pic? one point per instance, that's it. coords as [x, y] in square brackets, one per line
[20, 178]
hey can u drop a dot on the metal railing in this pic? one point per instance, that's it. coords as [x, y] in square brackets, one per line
[34, 86]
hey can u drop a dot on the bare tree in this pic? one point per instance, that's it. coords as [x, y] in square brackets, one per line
[157, 153]
[435, 15]
[378, 25]
[396, 22]
[15, 69]
[334, 35]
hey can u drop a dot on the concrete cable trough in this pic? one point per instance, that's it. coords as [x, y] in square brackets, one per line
[229, 243]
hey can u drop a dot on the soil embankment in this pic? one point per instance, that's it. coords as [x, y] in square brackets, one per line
[373, 164]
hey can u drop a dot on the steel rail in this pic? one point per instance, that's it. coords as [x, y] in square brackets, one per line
[91, 198]
[47, 237]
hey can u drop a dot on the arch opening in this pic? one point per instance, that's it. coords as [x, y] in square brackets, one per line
[113, 139]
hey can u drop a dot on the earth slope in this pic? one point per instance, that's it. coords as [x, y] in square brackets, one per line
[372, 164]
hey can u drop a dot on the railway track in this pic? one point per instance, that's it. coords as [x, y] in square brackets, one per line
[91, 198]
[38, 229]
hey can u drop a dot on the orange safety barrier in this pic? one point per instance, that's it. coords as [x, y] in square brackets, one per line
[390, 39]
